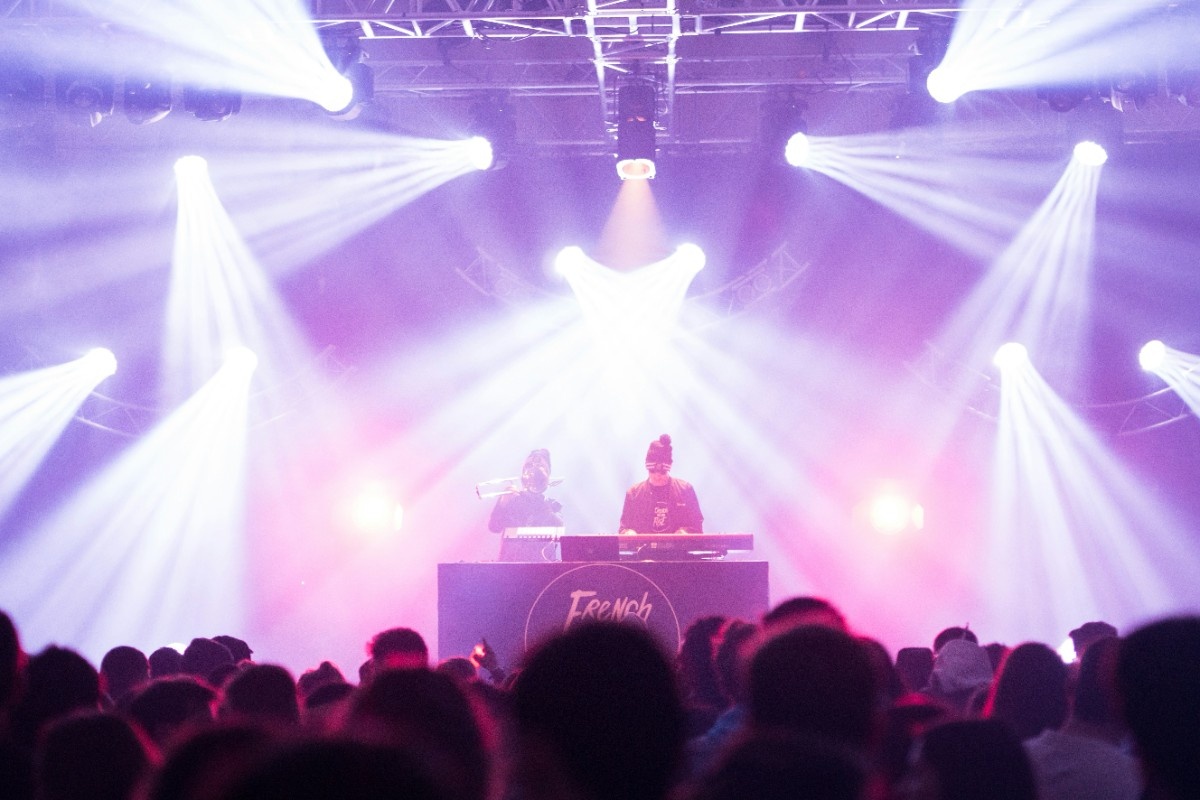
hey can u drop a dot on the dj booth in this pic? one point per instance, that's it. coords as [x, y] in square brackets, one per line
[514, 605]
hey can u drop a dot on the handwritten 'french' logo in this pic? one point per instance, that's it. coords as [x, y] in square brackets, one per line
[585, 606]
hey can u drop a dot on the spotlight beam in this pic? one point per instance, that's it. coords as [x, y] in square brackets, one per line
[1036, 292]
[269, 47]
[1075, 534]
[150, 550]
[220, 298]
[325, 189]
[35, 408]
[1047, 42]
[947, 184]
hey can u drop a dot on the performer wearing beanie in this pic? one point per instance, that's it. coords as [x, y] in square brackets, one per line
[661, 504]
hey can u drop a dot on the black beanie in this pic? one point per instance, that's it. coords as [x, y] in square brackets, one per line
[660, 450]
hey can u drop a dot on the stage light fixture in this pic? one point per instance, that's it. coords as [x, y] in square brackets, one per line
[569, 258]
[342, 46]
[637, 107]
[85, 97]
[797, 150]
[492, 119]
[690, 257]
[1096, 121]
[346, 93]
[241, 359]
[916, 107]
[943, 86]
[480, 152]
[1184, 86]
[1091, 153]
[191, 167]
[211, 105]
[892, 513]
[101, 362]
[1011, 355]
[1063, 98]
[1152, 355]
[350, 92]
[782, 122]
[1131, 89]
[146, 99]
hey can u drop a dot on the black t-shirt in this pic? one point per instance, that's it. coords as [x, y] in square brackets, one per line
[662, 509]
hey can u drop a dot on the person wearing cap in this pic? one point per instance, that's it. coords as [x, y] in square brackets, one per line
[661, 504]
[528, 507]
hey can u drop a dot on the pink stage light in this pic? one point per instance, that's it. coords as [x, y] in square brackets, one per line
[375, 510]
[892, 512]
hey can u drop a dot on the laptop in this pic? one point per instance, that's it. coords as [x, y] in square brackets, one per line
[590, 547]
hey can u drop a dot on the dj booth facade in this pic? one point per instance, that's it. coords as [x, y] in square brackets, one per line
[516, 605]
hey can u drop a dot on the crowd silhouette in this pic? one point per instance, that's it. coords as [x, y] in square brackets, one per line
[796, 705]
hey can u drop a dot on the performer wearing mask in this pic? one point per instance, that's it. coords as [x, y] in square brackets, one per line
[661, 504]
[528, 507]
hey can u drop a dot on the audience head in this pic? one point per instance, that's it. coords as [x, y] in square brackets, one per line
[1088, 634]
[694, 662]
[914, 665]
[313, 679]
[202, 657]
[732, 655]
[236, 647]
[905, 722]
[953, 634]
[886, 676]
[1158, 678]
[398, 648]
[167, 706]
[1030, 692]
[89, 755]
[1096, 689]
[165, 661]
[208, 763]
[326, 708]
[995, 653]
[426, 714]
[222, 675]
[348, 770]
[11, 661]
[262, 692]
[974, 759]
[57, 681]
[783, 765]
[459, 668]
[598, 714]
[804, 611]
[123, 669]
[961, 669]
[816, 681]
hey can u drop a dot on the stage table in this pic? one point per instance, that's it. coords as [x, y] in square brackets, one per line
[515, 605]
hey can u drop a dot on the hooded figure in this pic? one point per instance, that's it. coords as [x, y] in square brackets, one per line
[528, 507]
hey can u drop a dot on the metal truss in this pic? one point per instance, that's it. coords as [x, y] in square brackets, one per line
[641, 39]
[714, 63]
[621, 19]
[980, 396]
[765, 279]
[589, 47]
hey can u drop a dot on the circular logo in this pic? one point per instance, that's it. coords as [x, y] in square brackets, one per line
[606, 593]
